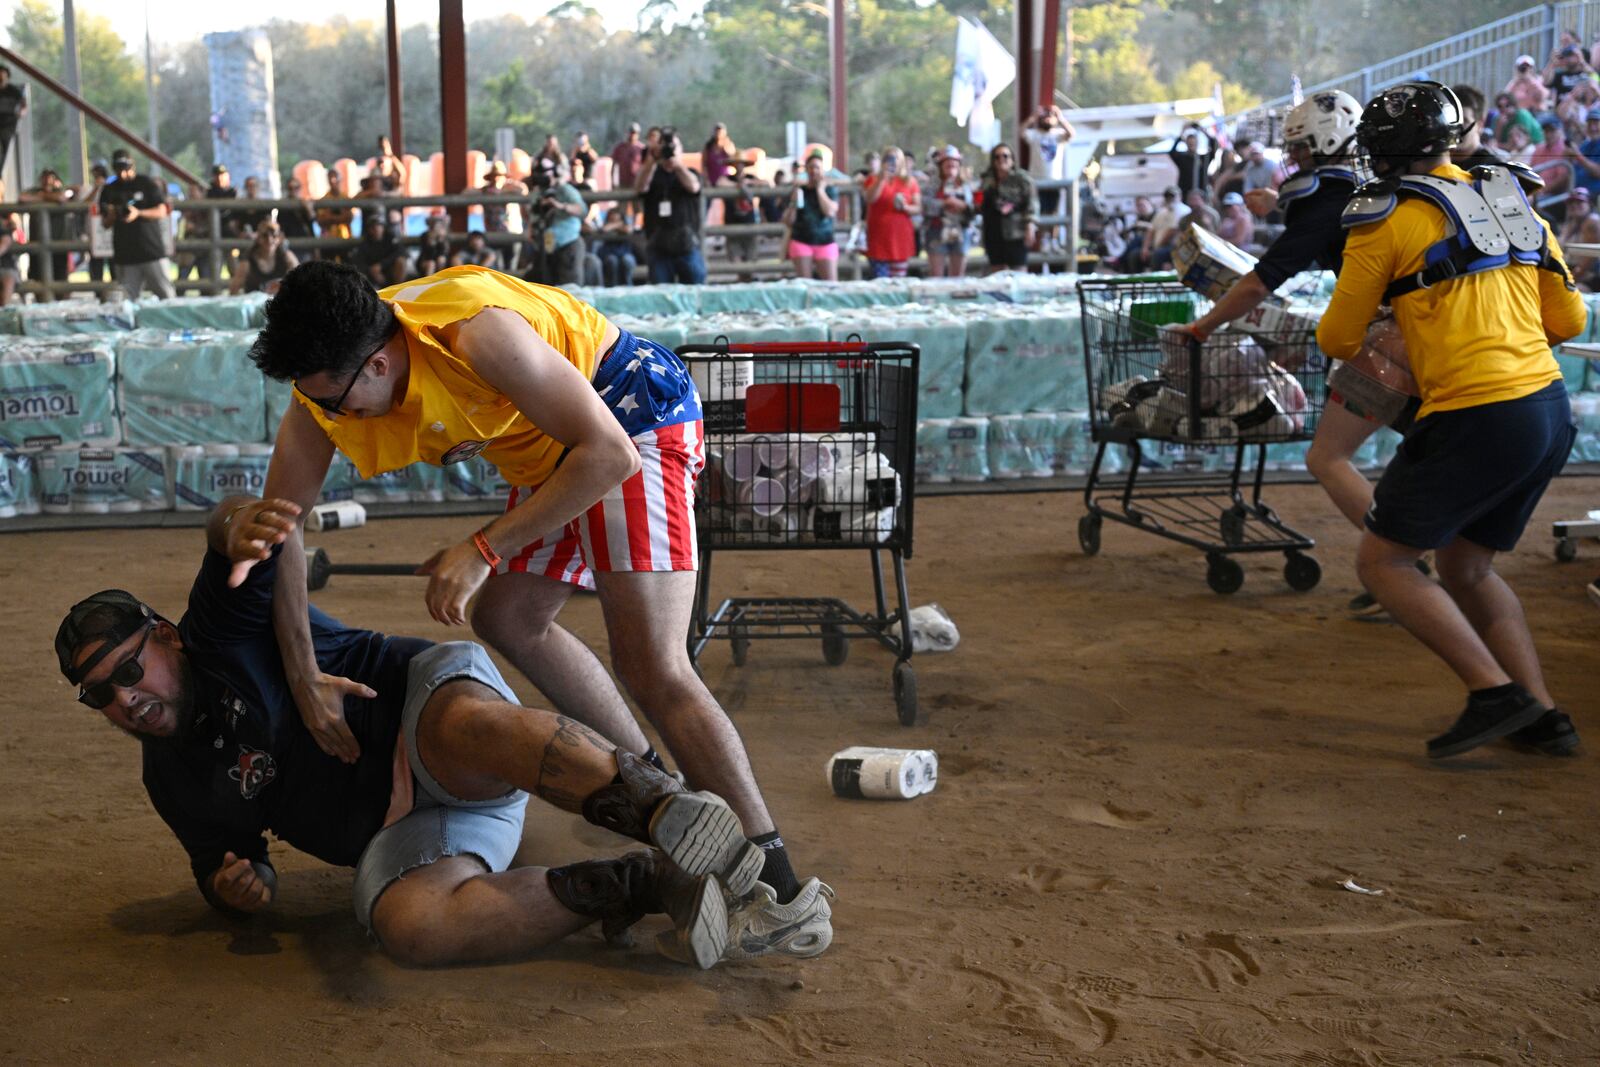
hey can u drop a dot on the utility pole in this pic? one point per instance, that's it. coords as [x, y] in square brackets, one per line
[75, 134]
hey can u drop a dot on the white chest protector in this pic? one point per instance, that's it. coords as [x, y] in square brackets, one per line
[1490, 225]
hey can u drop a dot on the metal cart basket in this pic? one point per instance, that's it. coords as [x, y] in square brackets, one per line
[1237, 393]
[808, 446]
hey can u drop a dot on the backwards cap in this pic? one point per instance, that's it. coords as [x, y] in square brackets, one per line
[111, 616]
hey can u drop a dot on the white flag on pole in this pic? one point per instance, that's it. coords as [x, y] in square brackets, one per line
[983, 70]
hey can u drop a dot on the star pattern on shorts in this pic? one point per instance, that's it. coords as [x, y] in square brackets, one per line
[627, 405]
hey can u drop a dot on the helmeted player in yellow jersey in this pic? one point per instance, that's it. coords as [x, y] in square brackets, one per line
[599, 431]
[1480, 293]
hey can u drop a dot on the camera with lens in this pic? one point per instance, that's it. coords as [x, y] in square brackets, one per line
[669, 142]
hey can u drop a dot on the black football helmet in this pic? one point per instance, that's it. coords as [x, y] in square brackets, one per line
[1405, 123]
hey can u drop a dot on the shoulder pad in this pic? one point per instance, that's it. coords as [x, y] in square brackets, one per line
[1501, 189]
[1530, 179]
[1301, 184]
[1341, 174]
[1373, 202]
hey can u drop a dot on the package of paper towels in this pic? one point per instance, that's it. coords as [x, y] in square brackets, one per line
[66, 318]
[57, 393]
[19, 484]
[204, 475]
[91, 481]
[190, 387]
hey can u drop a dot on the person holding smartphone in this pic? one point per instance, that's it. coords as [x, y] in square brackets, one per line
[809, 216]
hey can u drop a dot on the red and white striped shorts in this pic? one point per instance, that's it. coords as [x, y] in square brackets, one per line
[644, 524]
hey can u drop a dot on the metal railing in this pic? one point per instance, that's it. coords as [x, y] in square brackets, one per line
[1484, 57]
[216, 250]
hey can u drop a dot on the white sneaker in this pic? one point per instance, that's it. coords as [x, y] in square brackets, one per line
[760, 925]
[1593, 589]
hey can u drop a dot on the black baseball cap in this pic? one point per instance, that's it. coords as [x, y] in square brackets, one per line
[220, 168]
[111, 616]
[121, 158]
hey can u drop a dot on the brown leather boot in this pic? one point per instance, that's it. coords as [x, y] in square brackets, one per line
[620, 892]
[697, 831]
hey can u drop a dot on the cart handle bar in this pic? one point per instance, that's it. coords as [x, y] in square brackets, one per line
[798, 347]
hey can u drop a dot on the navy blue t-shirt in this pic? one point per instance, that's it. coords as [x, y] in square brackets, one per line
[249, 765]
[1312, 234]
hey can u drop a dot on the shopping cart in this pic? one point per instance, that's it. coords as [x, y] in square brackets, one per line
[808, 446]
[1235, 394]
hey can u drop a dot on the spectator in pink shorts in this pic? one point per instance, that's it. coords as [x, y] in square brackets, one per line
[809, 216]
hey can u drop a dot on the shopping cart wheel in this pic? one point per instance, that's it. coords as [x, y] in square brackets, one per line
[835, 646]
[1089, 533]
[905, 693]
[1233, 526]
[1566, 550]
[739, 639]
[1301, 571]
[1223, 575]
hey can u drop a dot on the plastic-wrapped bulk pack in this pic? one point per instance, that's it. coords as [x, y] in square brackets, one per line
[1024, 359]
[1023, 446]
[68, 318]
[1586, 414]
[278, 397]
[969, 449]
[840, 296]
[11, 320]
[190, 387]
[57, 392]
[243, 312]
[98, 481]
[664, 331]
[19, 484]
[752, 297]
[1075, 448]
[942, 336]
[204, 475]
[777, 326]
[420, 483]
[474, 479]
[660, 300]
[935, 460]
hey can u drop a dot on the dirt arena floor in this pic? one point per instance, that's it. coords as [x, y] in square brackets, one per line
[1150, 795]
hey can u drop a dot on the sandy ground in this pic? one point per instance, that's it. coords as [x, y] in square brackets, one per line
[1149, 797]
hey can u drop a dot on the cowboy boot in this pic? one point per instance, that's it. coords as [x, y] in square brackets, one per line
[697, 831]
[620, 892]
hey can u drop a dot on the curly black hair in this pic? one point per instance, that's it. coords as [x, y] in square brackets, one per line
[325, 317]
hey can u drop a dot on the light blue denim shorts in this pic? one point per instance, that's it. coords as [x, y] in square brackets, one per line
[440, 825]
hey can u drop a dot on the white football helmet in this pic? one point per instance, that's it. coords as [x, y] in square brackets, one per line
[1326, 121]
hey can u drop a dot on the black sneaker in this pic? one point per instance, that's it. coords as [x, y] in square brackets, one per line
[1485, 720]
[1365, 606]
[1553, 734]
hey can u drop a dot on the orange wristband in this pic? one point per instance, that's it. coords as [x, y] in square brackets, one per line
[488, 554]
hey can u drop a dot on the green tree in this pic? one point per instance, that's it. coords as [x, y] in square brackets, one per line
[508, 99]
[111, 79]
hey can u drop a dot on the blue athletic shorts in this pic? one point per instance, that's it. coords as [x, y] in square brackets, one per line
[1475, 473]
[439, 825]
[646, 385]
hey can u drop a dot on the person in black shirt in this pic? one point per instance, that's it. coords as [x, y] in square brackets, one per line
[13, 105]
[1193, 165]
[295, 220]
[1319, 135]
[674, 212]
[434, 790]
[135, 208]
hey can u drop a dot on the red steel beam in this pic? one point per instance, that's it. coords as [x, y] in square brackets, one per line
[1048, 51]
[453, 103]
[836, 87]
[397, 126]
[39, 77]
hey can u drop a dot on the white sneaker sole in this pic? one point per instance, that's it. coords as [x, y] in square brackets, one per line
[702, 835]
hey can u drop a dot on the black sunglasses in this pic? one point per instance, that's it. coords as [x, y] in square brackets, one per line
[129, 672]
[336, 405]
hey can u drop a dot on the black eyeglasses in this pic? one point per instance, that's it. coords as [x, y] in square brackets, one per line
[336, 405]
[129, 672]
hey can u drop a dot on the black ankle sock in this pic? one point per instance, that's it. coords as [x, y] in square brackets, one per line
[652, 757]
[775, 870]
[1494, 694]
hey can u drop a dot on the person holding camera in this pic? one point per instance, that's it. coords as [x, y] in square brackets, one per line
[674, 213]
[893, 201]
[809, 216]
[560, 210]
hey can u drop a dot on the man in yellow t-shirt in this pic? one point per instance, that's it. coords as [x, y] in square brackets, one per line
[599, 432]
[1495, 424]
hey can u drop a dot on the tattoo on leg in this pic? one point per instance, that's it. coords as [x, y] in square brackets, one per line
[568, 749]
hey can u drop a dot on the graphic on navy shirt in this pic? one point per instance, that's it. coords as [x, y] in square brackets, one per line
[254, 771]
